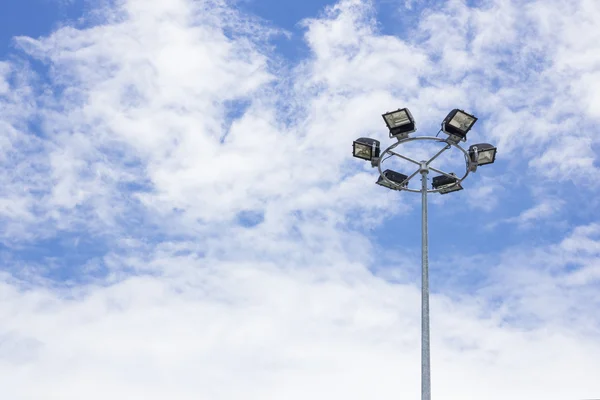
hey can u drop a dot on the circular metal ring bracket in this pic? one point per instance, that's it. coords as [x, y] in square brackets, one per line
[421, 164]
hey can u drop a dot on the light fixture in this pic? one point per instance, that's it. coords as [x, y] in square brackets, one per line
[446, 184]
[365, 148]
[400, 123]
[456, 124]
[482, 153]
[393, 176]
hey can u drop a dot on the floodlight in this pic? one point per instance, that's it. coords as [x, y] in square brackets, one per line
[400, 123]
[365, 148]
[482, 153]
[456, 124]
[393, 176]
[446, 184]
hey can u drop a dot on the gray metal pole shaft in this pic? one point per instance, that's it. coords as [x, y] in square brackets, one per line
[425, 356]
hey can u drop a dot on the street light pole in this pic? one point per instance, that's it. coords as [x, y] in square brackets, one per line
[425, 355]
[423, 168]
[401, 123]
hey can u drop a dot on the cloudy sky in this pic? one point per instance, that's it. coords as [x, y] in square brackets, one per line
[181, 216]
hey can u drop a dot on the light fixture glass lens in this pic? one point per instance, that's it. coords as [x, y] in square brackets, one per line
[443, 182]
[386, 184]
[397, 118]
[462, 121]
[393, 176]
[362, 150]
[485, 157]
[450, 188]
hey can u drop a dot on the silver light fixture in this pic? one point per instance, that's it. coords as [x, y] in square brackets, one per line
[457, 124]
[393, 176]
[400, 123]
[446, 184]
[365, 148]
[482, 153]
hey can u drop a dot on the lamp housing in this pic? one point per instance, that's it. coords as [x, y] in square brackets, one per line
[366, 148]
[393, 176]
[400, 123]
[456, 125]
[482, 154]
[446, 184]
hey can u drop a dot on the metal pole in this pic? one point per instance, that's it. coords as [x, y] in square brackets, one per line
[425, 357]
[424, 170]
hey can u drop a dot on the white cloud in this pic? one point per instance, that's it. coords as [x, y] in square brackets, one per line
[141, 107]
[487, 194]
[539, 211]
[547, 208]
[4, 72]
[549, 288]
[224, 329]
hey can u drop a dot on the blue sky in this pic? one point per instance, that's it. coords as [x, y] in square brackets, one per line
[35, 18]
[177, 194]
